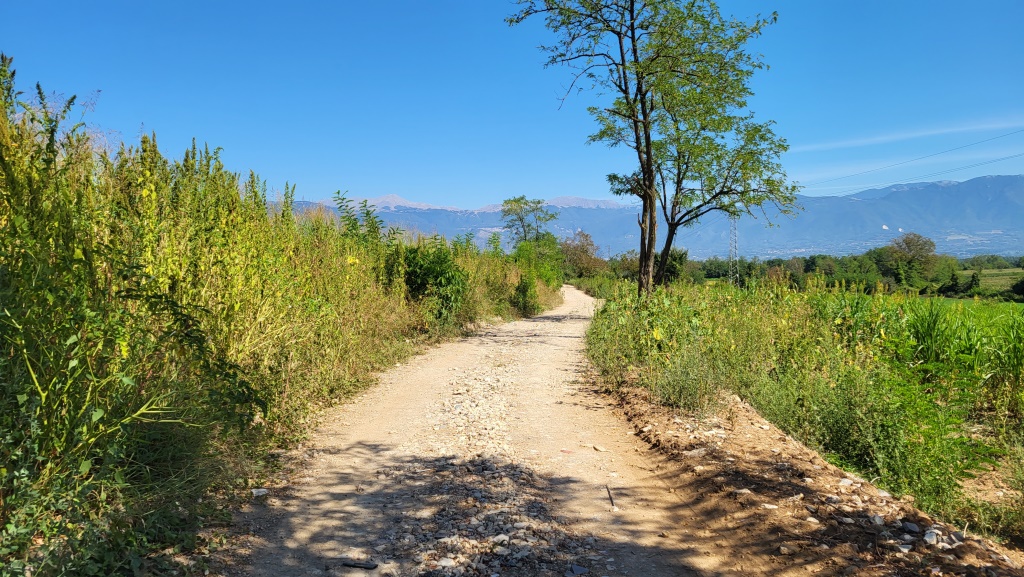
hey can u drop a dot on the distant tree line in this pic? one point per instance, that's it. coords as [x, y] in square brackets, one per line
[908, 263]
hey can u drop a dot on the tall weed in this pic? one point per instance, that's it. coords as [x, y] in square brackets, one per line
[889, 385]
[163, 322]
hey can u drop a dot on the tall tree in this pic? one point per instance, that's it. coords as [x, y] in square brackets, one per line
[645, 54]
[525, 219]
[728, 164]
[580, 255]
[917, 254]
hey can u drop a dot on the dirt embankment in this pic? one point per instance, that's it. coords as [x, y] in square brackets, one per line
[496, 455]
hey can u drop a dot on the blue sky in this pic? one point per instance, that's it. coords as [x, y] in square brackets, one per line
[441, 102]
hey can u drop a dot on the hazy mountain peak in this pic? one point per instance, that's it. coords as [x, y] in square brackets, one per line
[580, 202]
[393, 201]
[883, 192]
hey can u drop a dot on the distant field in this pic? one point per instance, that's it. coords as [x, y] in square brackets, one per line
[998, 279]
[985, 308]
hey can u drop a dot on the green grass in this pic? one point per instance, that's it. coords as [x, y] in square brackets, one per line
[891, 386]
[163, 324]
[998, 279]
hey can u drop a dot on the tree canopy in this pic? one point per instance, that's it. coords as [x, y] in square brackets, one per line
[675, 73]
[525, 219]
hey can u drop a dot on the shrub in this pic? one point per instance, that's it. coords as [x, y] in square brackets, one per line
[433, 276]
[525, 300]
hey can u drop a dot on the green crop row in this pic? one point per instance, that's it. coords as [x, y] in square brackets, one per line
[918, 394]
[162, 323]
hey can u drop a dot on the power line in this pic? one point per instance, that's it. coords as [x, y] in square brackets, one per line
[916, 159]
[929, 175]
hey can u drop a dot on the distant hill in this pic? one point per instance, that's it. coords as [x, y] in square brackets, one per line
[981, 215]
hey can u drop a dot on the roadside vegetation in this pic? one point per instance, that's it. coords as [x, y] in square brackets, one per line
[924, 396]
[164, 323]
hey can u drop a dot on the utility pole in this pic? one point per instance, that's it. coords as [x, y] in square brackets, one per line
[734, 251]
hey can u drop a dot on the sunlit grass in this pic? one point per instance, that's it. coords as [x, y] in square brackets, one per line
[895, 387]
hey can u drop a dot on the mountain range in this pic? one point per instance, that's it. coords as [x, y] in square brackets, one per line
[977, 216]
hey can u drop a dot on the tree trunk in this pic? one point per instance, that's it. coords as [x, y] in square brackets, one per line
[670, 235]
[648, 238]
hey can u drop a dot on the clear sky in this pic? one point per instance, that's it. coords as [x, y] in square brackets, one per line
[441, 102]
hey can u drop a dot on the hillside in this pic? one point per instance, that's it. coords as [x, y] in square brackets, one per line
[981, 215]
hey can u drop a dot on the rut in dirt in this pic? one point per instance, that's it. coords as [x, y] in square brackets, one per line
[487, 456]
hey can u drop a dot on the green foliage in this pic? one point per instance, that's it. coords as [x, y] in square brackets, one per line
[162, 324]
[675, 87]
[675, 266]
[895, 387]
[580, 256]
[526, 300]
[1017, 288]
[625, 265]
[985, 261]
[908, 264]
[525, 219]
[602, 286]
[433, 276]
[542, 258]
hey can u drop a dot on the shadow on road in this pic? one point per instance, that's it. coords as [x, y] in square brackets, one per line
[444, 516]
[485, 516]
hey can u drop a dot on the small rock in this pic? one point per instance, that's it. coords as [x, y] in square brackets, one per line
[502, 551]
[600, 449]
[884, 494]
[769, 506]
[259, 492]
[576, 570]
[905, 548]
[742, 491]
[813, 521]
[846, 482]
[846, 520]
[877, 520]
[911, 527]
[931, 537]
[446, 562]
[783, 550]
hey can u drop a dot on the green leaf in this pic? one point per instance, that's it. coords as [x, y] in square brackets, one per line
[127, 380]
[97, 414]
[71, 341]
[84, 467]
[22, 399]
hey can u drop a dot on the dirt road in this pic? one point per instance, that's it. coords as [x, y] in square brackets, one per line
[493, 456]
